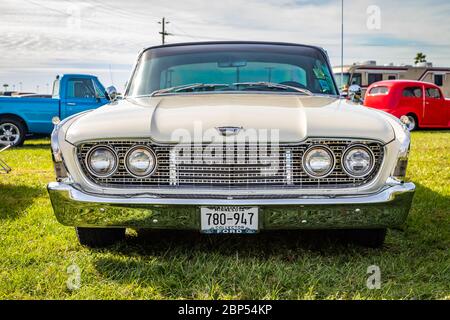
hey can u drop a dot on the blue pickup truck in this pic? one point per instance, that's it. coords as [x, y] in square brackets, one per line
[72, 93]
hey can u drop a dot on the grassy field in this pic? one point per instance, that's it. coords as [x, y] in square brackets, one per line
[35, 251]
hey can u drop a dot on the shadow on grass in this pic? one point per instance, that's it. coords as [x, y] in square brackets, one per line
[428, 207]
[429, 201]
[263, 245]
[34, 142]
[35, 146]
[427, 225]
[154, 253]
[14, 200]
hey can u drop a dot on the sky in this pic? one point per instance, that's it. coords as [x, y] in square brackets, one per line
[42, 38]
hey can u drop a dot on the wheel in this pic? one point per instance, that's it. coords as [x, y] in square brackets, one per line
[413, 122]
[12, 131]
[372, 238]
[99, 237]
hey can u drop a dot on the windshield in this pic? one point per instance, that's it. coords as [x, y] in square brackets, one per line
[219, 67]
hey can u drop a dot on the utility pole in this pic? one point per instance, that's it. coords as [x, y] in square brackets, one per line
[163, 31]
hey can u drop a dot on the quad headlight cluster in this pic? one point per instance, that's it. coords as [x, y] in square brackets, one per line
[103, 161]
[357, 161]
[318, 161]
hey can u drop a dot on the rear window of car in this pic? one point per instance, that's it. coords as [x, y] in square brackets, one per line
[412, 92]
[379, 90]
[433, 93]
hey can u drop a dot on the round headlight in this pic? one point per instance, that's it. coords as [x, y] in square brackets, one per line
[102, 161]
[318, 161]
[358, 161]
[140, 161]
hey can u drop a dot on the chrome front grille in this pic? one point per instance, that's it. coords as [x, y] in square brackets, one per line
[243, 166]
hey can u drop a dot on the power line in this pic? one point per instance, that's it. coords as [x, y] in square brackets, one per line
[84, 19]
[106, 8]
[121, 10]
[193, 36]
[181, 33]
[48, 8]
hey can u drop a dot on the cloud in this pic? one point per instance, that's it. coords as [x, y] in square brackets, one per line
[87, 36]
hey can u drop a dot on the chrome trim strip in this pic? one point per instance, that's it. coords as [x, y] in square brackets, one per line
[385, 195]
[287, 144]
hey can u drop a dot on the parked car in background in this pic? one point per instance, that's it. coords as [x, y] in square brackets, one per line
[423, 103]
[231, 137]
[72, 93]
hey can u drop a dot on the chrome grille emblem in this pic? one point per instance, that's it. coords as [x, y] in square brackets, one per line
[229, 131]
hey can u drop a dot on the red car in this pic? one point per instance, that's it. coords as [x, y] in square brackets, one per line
[422, 102]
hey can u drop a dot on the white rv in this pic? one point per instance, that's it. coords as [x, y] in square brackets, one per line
[366, 73]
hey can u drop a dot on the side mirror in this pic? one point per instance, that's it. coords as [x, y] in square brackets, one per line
[343, 94]
[355, 93]
[112, 93]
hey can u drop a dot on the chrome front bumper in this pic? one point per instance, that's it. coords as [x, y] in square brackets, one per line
[388, 208]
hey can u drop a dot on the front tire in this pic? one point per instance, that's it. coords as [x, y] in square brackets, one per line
[99, 237]
[372, 238]
[12, 131]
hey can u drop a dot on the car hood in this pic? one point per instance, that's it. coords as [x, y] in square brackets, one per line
[292, 118]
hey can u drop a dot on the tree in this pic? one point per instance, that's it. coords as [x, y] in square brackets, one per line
[6, 86]
[420, 57]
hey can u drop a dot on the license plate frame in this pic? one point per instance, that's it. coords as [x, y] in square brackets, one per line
[229, 219]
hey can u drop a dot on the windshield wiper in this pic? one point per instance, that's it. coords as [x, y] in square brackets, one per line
[273, 85]
[237, 84]
[189, 86]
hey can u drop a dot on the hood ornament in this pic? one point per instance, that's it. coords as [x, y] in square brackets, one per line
[229, 131]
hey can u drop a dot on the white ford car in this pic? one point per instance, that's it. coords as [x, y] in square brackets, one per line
[231, 137]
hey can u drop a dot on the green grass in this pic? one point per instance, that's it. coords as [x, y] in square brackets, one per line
[35, 250]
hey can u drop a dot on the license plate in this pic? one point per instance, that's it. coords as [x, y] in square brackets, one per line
[229, 219]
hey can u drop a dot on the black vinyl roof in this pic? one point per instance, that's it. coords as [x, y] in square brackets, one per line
[234, 43]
